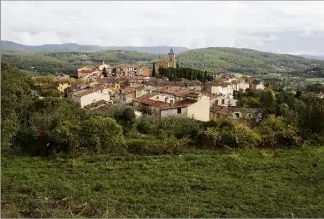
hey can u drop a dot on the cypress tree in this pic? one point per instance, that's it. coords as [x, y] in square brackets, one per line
[153, 71]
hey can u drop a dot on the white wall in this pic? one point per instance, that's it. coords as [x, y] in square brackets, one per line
[227, 101]
[260, 87]
[93, 97]
[200, 109]
[174, 112]
[216, 89]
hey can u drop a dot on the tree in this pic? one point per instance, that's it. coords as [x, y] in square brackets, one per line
[15, 102]
[153, 70]
[102, 134]
[104, 72]
[177, 65]
[268, 101]
[125, 117]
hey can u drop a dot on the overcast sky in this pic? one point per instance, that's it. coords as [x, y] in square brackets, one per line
[282, 27]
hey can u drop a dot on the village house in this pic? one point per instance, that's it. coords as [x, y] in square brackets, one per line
[217, 111]
[104, 66]
[87, 71]
[88, 96]
[225, 101]
[257, 84]
[173, 102]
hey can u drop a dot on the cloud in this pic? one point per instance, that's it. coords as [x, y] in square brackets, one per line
[269, 26]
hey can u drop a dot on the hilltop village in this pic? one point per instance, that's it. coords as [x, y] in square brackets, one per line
[150, 93]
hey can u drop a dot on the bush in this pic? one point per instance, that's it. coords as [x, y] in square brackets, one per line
[275, 132]
[102, 135]
[157, 147]
[246, 137]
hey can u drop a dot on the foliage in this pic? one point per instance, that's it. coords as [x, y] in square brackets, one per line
[104, 72]
[125, 117]
[216, 60]
[275, 133]
[153, 146]
[249, 183]
[246, 137]
[187, 73]
[102, 135]
[15, 101]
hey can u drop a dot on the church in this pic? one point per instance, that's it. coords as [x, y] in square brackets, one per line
[170, 63]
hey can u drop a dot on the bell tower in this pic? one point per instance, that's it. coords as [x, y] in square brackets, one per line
[171, 60]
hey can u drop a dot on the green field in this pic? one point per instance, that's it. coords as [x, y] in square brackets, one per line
[227, 183]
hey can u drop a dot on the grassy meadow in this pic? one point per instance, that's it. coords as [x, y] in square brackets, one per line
[199, 183]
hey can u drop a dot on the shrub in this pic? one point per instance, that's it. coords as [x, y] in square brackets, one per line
[246, 137]
[275, 132]
[157, 147]
[102, 135]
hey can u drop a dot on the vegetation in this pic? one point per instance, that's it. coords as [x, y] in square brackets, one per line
[250, 183]
[187, 73]
[212, 60]
[105, 171]
[245, 61]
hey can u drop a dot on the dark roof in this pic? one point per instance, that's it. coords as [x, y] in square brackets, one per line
[179, 104]
[219, 110]
[145, 100]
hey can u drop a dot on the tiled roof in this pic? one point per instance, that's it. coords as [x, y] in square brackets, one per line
[177, 91]
[86, 91]
[145, 100]
[179, 104]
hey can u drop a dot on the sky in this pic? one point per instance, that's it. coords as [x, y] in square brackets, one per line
[295, 27]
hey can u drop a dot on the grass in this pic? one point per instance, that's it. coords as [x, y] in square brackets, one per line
[250, 183]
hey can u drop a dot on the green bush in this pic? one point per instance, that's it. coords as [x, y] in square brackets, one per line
[100, 134]
[157, 147]
[246, 137]
[275, 133]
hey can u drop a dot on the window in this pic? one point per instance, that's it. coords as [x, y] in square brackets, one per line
[216, 102]
[179, 110]
[249, 115]
[223, 101]
[236, 115]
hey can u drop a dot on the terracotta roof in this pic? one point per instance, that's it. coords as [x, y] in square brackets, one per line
[145, 100]
[85, 91]
[177, 91]
[179, 104]
[129, 89]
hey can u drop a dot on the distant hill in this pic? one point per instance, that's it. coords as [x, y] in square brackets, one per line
[313, 57]
[246, 61]
[9, 45]
[213, 60]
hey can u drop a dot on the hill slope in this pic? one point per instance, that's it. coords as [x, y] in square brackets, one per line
[214, 60]
[247, 61]
[9, 45]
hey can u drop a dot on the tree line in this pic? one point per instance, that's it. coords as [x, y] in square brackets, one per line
[175, 74]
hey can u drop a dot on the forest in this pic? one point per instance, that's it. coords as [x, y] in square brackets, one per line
[212, 60]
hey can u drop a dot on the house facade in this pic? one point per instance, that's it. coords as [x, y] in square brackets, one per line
[190, 104]
[88, 96]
